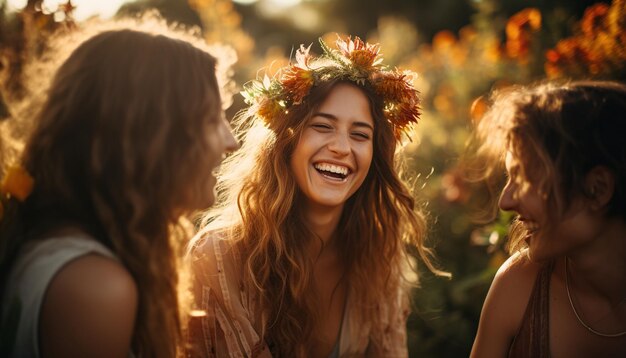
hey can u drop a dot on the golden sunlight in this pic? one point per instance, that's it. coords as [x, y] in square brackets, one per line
[84, 8]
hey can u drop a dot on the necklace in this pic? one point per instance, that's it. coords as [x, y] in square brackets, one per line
[569, 296]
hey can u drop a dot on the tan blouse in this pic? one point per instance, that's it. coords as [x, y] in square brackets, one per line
[230, 324]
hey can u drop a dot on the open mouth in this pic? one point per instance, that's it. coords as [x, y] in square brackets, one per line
[331, 171]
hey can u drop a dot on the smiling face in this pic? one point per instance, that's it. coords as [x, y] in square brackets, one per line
[547, 237]
[334, 153]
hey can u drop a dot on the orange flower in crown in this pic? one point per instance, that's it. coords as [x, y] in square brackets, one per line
[402, 103]
[298, 79]
[362, 55]
[351, 60]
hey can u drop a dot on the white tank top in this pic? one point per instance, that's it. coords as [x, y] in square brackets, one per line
[38, 262]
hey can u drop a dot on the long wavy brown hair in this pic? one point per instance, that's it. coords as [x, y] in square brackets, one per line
[119, 149]
[558, 132]
[260, 214]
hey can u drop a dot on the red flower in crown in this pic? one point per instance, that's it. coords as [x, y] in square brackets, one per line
[363, 56]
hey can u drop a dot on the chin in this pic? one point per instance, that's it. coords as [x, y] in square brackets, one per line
[329, 202]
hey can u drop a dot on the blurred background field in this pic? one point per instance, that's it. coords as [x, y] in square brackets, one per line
[461, 50]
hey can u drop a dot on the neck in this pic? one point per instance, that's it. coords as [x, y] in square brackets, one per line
[323, 223]
[601, 265]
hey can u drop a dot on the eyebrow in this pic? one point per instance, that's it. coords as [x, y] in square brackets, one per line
[334, 118]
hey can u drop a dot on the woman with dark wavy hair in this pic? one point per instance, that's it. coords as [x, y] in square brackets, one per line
[563, 291]
[124, 145]
[307, 252]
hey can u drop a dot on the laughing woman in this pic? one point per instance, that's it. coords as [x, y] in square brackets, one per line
[563, 293]
[307, 253]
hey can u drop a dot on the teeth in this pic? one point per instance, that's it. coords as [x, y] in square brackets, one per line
[332, 168]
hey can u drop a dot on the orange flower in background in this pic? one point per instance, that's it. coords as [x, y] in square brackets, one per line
[453, 51]
[18, 183]
[597, 49]
[443, 41]
[593, 19]
[519, 30]
[525, 21]
[362, 55]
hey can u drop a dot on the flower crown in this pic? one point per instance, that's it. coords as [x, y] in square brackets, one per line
[353, 60]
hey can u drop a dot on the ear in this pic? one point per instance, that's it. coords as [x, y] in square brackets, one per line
[600, 186]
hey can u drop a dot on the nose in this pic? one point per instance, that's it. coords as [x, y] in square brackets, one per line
[340, 144]
[230, 143]
[508, 198]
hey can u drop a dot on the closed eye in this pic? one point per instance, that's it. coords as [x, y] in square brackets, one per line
[361, 135]
[321, 127]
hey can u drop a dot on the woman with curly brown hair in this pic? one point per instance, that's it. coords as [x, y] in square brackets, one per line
[124, 145]
[563, 291]
[307, 252]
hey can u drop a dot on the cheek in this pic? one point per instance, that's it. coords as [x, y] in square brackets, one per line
[297, 165]
[366, 156]
[302, 152]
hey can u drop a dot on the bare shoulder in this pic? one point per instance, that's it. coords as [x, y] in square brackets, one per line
[517, 273]
[511, 289]
[89, 309]
[505, 305]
